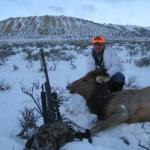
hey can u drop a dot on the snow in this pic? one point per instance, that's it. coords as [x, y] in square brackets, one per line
[13, 100]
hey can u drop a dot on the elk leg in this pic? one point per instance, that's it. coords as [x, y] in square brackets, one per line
[116, 117]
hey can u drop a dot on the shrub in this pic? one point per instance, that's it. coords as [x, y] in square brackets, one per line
[132, 82]
[4, 54]
[15, 67]
[4, 86]
[27, 121]
[144, 61]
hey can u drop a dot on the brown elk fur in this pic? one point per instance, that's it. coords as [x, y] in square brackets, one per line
[132, 105]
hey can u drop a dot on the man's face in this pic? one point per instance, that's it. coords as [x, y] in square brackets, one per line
[98, 47]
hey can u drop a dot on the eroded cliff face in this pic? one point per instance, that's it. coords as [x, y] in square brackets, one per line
[66, 27]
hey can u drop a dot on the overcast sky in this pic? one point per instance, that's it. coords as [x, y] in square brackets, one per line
[134, 12]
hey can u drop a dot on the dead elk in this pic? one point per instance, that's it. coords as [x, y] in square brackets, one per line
[132, 105]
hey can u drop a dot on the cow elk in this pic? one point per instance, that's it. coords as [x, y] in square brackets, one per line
[130, 105]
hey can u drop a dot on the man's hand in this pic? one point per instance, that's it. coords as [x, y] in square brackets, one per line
[102, 79]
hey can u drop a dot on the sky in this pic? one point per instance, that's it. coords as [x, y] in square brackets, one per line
[125, 12]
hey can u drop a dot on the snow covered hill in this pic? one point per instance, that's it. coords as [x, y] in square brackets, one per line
[66, 28]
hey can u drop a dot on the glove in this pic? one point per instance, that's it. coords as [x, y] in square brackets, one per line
[102, 79]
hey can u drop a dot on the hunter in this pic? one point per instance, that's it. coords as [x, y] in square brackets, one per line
[107, 60]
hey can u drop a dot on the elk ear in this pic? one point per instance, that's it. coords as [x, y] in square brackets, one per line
[102, 79]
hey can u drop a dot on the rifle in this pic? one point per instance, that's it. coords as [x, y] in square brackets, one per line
[54, 129]
[49, 100]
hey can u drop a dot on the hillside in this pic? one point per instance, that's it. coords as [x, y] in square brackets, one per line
[63, 28]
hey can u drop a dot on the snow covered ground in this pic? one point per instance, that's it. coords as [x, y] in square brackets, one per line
[121, 137]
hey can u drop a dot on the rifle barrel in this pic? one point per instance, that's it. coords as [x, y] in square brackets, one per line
[45, 69]
[49, 99]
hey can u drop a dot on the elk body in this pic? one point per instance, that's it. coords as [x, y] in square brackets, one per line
[132, 105]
